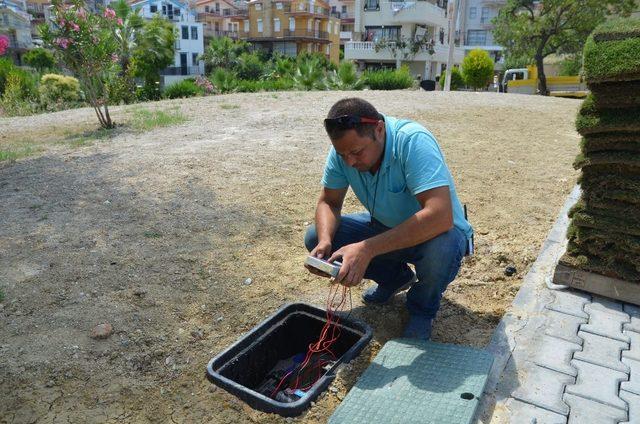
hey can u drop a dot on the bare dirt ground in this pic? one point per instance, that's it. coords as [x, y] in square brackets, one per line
[156, 232]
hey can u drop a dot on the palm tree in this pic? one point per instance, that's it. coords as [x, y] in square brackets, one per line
[127, 33]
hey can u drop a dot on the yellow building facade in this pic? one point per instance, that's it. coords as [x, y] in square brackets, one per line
[292, 27]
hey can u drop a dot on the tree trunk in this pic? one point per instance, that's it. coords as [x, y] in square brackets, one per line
[542, 79]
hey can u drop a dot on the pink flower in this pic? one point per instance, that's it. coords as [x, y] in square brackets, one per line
[62, 22]
[4, 43]
[114, 58]
[62, 42]
[109, 13]
[120, 21]
[75, 26]
[81, 14]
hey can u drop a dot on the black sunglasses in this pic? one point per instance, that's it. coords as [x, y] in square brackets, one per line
[347, 122]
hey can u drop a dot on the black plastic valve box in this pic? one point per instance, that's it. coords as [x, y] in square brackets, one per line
[242, 367]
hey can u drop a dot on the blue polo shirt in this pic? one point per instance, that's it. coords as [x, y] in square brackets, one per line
[412, 163]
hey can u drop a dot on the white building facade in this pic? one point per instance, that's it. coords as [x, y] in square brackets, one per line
[377, 20]
[477, 30]
[15, 24]
[189, 37]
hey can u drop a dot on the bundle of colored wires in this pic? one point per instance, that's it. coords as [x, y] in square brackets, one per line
[322, 348]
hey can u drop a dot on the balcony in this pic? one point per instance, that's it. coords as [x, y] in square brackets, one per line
[205, 16]
[414, 12]
[365, 50]
[182, 70]
[219, 33]
[303, 33]
[346, 35]
[305, 9]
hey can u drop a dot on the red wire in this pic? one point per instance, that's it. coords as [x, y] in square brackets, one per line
[322, 344]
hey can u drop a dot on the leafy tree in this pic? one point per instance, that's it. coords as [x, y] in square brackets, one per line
[457, 80]
[250, 66]
[154, 51]
[512, 61]
[84, 42]
[477, 68]
[571, 66]
[223, 52]
[405, 48]
[536, 29]
[40, 59]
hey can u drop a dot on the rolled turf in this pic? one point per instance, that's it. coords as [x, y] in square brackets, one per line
[591, 120]
[611, 52]
[623, 141]
[616, 95]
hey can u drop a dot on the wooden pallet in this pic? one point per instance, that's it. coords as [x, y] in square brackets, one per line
[598, 284]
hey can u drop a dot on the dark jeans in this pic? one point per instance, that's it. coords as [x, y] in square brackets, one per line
[437, 261]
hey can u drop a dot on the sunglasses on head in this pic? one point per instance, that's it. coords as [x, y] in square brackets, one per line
[347, 122]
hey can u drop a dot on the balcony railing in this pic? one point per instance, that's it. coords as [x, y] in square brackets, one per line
[181, 70]
[235, 13]
[303, 33]
[343, 15]
[202, 16]
[305, 8]
[217, 33]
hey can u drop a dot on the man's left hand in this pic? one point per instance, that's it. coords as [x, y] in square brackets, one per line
[355, 260]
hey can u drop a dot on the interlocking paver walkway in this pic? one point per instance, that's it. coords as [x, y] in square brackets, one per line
[563, 356]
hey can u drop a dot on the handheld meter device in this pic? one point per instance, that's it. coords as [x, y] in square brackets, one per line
[331, 268]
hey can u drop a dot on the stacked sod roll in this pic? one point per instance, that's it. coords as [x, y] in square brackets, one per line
[604, 234]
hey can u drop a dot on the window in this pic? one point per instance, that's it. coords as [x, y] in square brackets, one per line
[309, 23]
[473, 12]
[328, 50]
[377, 33]
[176, 11]
[476, 37]
[164, 9]
[337, 30]
[484, 18]
[185, 32]
[218, 7]
[279, 6]
[292, 24]
[329, 27]
[258, 7]
[344, 9]
[259, 25]
[206, 9]
[194, 33]
[194, 59]
[276, 24]
[371, 5]
[333, 9]
[246, 25]
[153, 8]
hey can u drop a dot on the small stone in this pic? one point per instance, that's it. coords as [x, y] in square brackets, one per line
[140, 292]
[510, 270]
[219, 319]
[169, 361]
[212, 388]
[248, 282]
[333, 389]
[50, 383]
[198, 334]
[102, 331]
[306, 223]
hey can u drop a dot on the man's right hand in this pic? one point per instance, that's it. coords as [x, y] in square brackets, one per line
[322, 251]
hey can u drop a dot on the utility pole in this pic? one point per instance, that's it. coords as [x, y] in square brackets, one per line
[453, 10]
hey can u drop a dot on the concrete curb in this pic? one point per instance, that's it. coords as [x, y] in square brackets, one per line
[524, 316]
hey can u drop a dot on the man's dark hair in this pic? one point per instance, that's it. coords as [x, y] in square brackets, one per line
[356, 107]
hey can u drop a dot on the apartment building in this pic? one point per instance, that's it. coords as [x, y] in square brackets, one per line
[377, 20]
[477, 30]
[345, 11]
[15, 24]
[221, 18]
[291, 27]
[190, 38]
